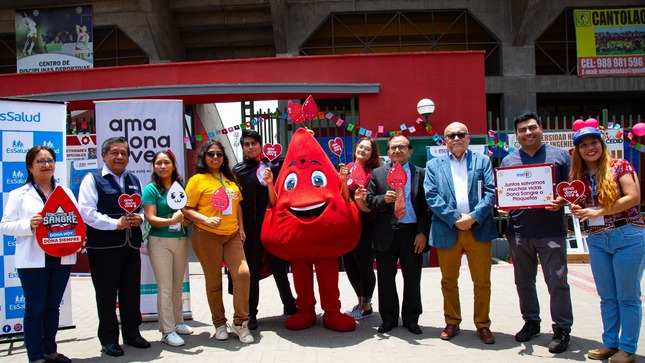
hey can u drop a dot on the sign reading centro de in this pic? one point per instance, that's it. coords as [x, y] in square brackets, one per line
[525, 186]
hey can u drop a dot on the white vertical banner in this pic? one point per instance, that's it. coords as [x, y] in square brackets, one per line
[149, 126]
[24, 125]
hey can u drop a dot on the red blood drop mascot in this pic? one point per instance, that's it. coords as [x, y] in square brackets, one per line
[311, 225]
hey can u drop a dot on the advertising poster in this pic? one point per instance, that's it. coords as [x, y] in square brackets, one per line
[54, 39]
[148, 126]
[610, 42]
[24, 125]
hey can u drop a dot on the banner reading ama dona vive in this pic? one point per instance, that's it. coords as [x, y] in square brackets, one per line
[149, 126]
[610, 42]
[23, 125]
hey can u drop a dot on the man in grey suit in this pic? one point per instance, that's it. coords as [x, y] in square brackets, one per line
[460, 191]
[399, 239]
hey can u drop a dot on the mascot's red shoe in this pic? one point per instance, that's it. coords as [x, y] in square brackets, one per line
[338, 321]
[311, 225]
[303, 319]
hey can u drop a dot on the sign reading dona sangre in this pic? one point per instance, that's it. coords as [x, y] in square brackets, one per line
[62, 231]
[610, 42]
[525, 186]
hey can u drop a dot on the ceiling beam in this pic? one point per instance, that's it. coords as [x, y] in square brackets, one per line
[164, 32]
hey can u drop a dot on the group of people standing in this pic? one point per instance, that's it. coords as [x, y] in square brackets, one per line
[448, 205]
[460, 192]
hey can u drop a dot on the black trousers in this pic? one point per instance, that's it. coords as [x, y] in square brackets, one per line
[116, 271]
[401, 250]
[255, 253]
[359, 264]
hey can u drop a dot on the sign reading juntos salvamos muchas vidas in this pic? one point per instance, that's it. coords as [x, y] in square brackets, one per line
[24, 125]
[148, 126]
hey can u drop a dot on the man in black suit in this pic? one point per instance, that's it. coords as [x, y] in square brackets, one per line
[399, 239]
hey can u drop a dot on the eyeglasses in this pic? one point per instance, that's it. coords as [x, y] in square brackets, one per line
[42, 162]
[461, 135]
[213, 154]
[531, 128]
[398, 147]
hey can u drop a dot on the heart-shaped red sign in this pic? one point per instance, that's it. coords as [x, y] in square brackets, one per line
[309, 108]
[571, 191]
[62, 231]
[336, 146]
[294, 110]
[129, 203]
[397, 177]
[272, 151]
[219, 199]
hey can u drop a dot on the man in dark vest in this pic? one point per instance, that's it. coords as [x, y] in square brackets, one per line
[113, 241]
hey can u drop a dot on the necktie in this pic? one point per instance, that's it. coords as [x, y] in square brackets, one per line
[399, 204]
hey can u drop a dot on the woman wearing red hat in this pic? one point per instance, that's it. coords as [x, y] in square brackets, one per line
[616, 241]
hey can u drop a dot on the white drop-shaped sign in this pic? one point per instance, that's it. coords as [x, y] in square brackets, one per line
[176, 196]
[261, 168]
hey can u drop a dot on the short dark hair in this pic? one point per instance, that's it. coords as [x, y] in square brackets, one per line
[525, 116]
[406, 137]
[114, 140]
[253, 134]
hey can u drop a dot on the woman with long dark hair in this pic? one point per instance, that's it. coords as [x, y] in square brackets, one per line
[616, 241]
[43, 277]
[359, 262]
[218, 237]
[168, 248]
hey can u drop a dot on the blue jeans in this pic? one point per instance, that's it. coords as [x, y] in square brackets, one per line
[43, 288]
[617, 261]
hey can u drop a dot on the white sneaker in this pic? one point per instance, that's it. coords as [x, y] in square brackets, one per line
[354, 308]
[183, 329]
[243, 332]
[172, 339]
[221, 333]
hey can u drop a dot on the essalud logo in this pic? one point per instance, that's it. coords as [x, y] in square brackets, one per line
[17, 147]
[51, 145]
[19, 116]
[17, 178]
[19, 303]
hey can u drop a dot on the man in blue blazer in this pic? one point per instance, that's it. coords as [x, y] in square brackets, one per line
[460, 191]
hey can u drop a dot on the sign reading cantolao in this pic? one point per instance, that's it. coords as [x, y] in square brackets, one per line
[610, 42]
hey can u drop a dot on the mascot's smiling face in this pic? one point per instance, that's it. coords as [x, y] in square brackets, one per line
[310, 217]
[305, 178]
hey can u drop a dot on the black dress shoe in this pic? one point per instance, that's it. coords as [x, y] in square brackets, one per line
[58, 358]
[386, 327]
[114, 350]
[138, 342]
[413, 328]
